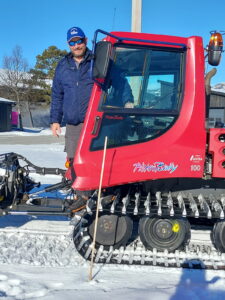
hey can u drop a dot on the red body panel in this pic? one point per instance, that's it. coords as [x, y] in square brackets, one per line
[216, 148]
[180, 152]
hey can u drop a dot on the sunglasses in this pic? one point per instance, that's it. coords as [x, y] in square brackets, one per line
[78, 42]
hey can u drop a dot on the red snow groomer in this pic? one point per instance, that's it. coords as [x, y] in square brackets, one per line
[163, 187]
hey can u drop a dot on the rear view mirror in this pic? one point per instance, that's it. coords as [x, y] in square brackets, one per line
[101, 59]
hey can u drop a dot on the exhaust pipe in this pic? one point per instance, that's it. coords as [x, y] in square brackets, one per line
[208, 78]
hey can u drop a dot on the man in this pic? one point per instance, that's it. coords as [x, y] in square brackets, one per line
[71, 90]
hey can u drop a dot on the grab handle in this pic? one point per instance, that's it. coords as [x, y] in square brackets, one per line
[96, 125]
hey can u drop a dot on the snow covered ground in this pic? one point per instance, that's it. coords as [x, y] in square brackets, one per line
[38, 259]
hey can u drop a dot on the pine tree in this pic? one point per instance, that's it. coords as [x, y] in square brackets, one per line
[48, 60]
[44, 70]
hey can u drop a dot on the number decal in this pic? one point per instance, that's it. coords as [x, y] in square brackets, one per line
[195, 168]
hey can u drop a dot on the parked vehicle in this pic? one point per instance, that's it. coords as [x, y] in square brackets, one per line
[164, 170]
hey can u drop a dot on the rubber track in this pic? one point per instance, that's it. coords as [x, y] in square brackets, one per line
[196, 255]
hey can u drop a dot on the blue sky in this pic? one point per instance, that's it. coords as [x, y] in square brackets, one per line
[37, 24]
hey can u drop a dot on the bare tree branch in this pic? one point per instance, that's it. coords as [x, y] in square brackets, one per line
[15, 74]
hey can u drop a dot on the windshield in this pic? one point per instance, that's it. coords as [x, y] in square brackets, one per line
[151, 79]
[141, 95]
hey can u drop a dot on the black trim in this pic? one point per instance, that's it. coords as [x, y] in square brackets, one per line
[121, 39]
[155, 48]
[140, 111]
[159, 46]
[139, 141]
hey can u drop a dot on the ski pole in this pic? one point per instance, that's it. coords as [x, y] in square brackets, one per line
[97, 209]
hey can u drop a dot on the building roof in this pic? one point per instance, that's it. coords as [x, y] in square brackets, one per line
[26, 75]
[219, 88]
[218, 93]
[4, 100]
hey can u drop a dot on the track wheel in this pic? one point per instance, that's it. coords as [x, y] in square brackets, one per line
[162, 234]
[218, 236]
[112, 230]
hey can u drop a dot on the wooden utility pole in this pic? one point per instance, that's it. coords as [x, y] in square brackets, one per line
[136, 15]
[136, 27]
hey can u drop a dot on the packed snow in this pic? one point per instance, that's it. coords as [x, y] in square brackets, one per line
[38, 259]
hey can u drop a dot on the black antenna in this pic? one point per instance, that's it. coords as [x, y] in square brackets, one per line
[220, 31]
[114, 16]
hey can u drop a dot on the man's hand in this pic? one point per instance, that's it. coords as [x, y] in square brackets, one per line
[56, 129]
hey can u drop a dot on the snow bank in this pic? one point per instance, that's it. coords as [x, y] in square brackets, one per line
[38, 259]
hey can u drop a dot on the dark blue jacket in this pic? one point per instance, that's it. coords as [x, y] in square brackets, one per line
[71, 90]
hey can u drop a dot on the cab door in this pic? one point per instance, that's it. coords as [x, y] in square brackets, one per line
[147, 117]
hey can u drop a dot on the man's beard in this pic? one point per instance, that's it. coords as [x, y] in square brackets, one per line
[80, 55]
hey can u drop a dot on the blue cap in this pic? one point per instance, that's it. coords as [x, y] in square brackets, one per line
[75, 32]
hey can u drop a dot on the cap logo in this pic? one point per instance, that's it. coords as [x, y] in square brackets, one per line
[73, 31]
